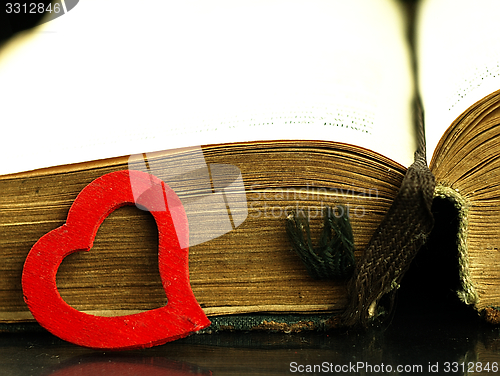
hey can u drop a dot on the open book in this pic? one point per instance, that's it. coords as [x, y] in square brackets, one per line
[249, 110]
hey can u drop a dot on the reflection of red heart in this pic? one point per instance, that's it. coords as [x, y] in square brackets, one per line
[182, 314]
[150, 366]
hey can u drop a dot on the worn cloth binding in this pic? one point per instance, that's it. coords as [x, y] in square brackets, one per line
[393, 246]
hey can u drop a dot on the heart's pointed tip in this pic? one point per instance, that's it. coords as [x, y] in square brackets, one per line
[203, 324]
[196, 320]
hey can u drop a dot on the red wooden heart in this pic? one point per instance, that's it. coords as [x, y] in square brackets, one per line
[181, 316]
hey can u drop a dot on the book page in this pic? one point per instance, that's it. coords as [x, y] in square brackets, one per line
[459, 59]
[118, 77]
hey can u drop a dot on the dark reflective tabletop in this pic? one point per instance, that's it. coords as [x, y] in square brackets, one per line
[418, 345]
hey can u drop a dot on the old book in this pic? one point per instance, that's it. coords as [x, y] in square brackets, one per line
[291, 116]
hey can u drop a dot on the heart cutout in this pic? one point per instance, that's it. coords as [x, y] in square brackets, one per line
[181, 316]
